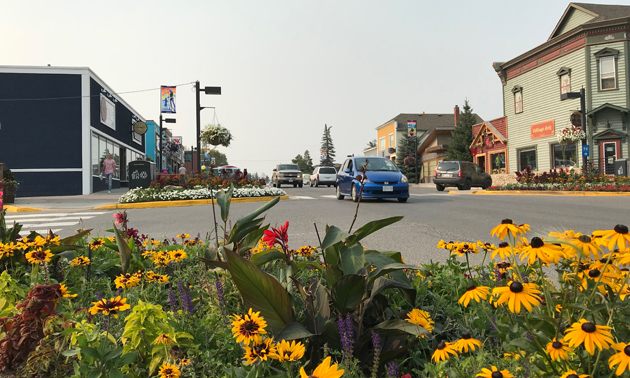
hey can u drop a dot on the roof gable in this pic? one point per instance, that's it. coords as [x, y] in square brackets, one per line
[578, 14]
[488, 130]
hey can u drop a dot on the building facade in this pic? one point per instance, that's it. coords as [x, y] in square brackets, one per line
[489, 146]
[58, 125]
[587, 49]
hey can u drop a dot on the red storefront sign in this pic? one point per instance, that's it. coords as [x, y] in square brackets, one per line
[543, 129]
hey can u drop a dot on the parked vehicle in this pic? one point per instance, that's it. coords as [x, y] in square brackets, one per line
[306, 178]
[230, 169]
[287, 174]
[324, 176]
[383, 179]
[462, 174]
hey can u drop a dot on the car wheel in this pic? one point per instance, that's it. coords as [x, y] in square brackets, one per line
[311, 183]
[440, 188]
[301, 185]
[339, 195]
[295, 185]
[402, 200]
[317, 183]
[329, 185]
[278, 185]
[487, 184]
[466, 185]
[355, 196]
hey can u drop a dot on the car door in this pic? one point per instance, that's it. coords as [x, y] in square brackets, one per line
[346, 178]
[478, 175]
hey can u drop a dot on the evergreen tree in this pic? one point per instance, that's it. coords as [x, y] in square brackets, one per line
[459, 148]
[299, 160]
[405, 157]
[327, 148]
[309, 162]
[372, 143]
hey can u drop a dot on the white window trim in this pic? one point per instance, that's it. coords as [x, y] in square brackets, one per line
[391, 140]
[601, 73]
[379, 143]
[569, 77]
[516, 110]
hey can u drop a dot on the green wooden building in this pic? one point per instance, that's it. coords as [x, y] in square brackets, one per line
[587, 49]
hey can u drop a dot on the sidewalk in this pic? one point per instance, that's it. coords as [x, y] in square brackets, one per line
[69, 202]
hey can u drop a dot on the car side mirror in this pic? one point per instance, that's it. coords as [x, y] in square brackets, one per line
[347, 170]
[400, 170]
[275, 170]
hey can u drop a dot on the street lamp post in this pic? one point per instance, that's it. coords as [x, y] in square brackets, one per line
[582, 96]
[208, 91]
[167, 120]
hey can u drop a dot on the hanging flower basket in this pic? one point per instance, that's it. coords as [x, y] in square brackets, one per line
[216, 135]
[570, 135]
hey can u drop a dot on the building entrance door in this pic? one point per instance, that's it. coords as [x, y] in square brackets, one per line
[481, 161]
[610, 154]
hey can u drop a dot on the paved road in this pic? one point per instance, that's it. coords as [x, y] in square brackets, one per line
[429, 217]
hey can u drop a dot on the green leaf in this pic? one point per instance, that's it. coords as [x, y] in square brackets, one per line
[223, 199]
[155, 362]
[251, 240]
[239, 232]
[395, 327]
[406, 290]
[95, 374]
[333, 236]
[124, 250]
[115, 373]
[383, 270]
[128, 358]
[526, 345]
[378, 259]
[58, 249]
[264, 257]
[348, 292]
[370, 228]
[309, 264]
[90, 352]
[71, 240]
[332, 274]
[214, 263]
[352, 258]
[249, 217]
[261, 292]
[317, 307]
[71, 352]
[114, 353]
[293, 331]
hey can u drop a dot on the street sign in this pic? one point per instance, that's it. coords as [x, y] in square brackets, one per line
[411, 129]
[585, 150]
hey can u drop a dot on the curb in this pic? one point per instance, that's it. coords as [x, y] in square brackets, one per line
[18, 209]
[156, 204]
[550, 193]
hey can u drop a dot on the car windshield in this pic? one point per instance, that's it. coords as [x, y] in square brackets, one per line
[448, 166]
[327, 170]
[376, 164]
[286, 167]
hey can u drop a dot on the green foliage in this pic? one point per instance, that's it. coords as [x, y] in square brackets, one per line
[220, 159]
[305, 163]
[405, 156]
[10, 294]
[327, 148]
[459, 148]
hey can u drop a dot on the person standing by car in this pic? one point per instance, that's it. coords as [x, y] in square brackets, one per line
[109, 167]
[182, 170]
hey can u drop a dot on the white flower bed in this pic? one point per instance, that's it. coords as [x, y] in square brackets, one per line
[152, 194]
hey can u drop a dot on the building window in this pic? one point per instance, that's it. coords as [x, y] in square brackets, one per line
[565, 80]
[391, 140]
[518, 99]
[497, 162]
[381, 144]
[527, 158]
[607, 74]
[564, 156]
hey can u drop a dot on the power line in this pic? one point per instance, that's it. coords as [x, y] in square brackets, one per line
[76, 97]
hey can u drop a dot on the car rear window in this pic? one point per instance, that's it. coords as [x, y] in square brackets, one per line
[448, 166]
[327, 170]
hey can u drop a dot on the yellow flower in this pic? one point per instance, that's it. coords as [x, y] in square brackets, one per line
[504, 251]
[323, 370]
[177, 255]
[538, 249]
[161, 258]
[80, 260]
[259, 351]
[148, 254]
[184, 362]
[289, 351]
[306, 251]
[183, 236]
[39, 256]
[506, 227]
[169, 371]
[442, 352]
[95, 243]
[163, 339]
[622, 358]
[465, 248]
[517, 293]
[617, 237]
[153, 277]
[487, 373]
[466, 343]
[573, 374]
[248, 327]
[66, 292]
[557, 350]
[421, 318]
[590, 334]
[112, 306]
[523, 228]
[514, 355]
[488, 247]
[126, 281]
[474, 292]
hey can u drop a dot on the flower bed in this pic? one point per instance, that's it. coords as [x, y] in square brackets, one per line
[159, 194]
[570, 187]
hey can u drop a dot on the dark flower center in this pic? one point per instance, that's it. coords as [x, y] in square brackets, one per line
[584, 238]
[516, 287]
[250, 326]
[537, 242]
[626, 350]
[503, 245]
[507, 221]
[589, 327]
[557, 345]
[594, 273]
[621, 229]
[624, 269]
[603, 261]
[466, 336]
[471, 287]
[441, 345]
[573, 376]
[496, 374]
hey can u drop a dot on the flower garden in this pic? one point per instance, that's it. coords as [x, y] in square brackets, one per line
[249, 303]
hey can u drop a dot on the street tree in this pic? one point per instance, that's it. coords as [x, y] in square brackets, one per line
[459, 148]
[301, 163]
[309, 162]
[220, 158]
[327, 149]
[372, 143]
[405, 157]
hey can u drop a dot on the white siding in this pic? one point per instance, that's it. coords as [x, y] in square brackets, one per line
[614, 96]
[541, 102]
[574, 19]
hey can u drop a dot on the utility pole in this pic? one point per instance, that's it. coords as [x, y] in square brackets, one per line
[585, 140]
[198, 107]
[167, 120]
[416, 157]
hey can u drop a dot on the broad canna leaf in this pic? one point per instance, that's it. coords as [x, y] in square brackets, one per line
[212, 264]
[405, 289]
[293, 331]
[261, 292]
[239, 232]
[251, 216]
[251, 240]
[370, 228]
[333, 235]
[348, 292]
[317, 307]
[261, 258]
[352, 258]
[223, 199]
[123, 250]
[395, 327]
[387, 269]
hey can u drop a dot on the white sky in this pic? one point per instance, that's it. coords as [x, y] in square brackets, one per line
[285, 67]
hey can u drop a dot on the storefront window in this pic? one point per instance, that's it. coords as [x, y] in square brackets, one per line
[564, 156]
[95, 154]
[116, 157]
[497, 162]
[527, 158]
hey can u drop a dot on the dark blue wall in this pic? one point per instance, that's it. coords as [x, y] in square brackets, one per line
[48, 184]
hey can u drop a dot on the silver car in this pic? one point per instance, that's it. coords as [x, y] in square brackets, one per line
[324, 176]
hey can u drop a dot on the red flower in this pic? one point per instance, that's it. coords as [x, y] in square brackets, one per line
[277, 236]
[406, 376]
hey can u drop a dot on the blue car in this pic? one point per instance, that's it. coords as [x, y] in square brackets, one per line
[384, 179]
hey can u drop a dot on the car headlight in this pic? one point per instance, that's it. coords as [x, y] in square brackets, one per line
[299, 176]
[403, 179]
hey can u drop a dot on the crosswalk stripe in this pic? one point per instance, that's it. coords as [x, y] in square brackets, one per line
[35, 215]
[54, 230]
[329, 196]
[52, 224]
[91, 213]
[301, 197]
[42, 220]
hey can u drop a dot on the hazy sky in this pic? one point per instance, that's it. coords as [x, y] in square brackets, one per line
[286, 67]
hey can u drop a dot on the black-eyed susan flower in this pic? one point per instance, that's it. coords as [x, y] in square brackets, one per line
[514, 355]
[618, 237]
[474, 292]
[464, 249]
[557, 350]
[80, 261]
[323, 370]
[259, 351]
[523, 228]
[442, 352]
[488, 247]
[421, 318]
[96, 243]
[163, 339]
[148, 254]
[504, 251]
[622, 358]
[506, 227]
[590, 335]
[517, 294]
[161, 258]
[126, 281]
[467, 343]
[249, 327]
[177, 255]
[39, 256]
[539, 250]
[169, 371]
[289, 351]
[65, 292]
[184, 362]
[494, 373]
[183, 236]
[110, 307]
[587, 246]
[574, 374]
[154, 277]
[306, 251]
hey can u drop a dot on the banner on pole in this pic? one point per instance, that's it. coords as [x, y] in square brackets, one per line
[167, 99]
[411, 129]
[177, 139]
[324, 155]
